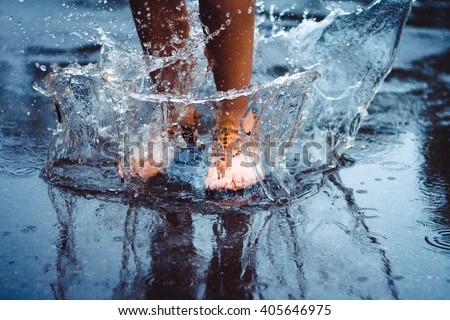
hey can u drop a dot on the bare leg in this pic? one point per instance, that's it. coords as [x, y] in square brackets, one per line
[230, 55]
[163, 27]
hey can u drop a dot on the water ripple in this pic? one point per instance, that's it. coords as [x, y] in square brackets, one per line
[440, 239]
[22, 171]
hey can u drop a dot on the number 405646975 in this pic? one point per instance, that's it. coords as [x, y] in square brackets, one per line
[311, 309]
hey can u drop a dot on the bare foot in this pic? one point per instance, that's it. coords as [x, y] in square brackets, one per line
[155, 150]
[185, 123]
[241, 174]
[149, 157]
[138, 169]
[235, 166]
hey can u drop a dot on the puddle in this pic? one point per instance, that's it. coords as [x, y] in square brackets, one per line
[375, 228]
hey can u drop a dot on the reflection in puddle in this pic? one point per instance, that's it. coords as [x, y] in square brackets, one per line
[243, 253]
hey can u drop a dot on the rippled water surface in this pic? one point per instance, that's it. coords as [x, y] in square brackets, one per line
[377, 227]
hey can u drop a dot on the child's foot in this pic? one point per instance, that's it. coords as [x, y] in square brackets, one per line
[234, 177]
[139, 168]
[235, 165]
[149, 157]
[185, 124]
[156, 150]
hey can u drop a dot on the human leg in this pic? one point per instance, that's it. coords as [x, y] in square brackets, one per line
[163, 28]
[230, 55]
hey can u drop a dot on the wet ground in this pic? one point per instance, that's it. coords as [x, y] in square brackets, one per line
[378, 228]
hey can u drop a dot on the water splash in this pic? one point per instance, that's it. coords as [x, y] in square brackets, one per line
[109, 111]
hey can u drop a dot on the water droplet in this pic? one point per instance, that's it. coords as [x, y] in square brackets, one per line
[21, 0]
[394, 166]
[228, 14]
[362, 279]
[29, 229]
[239, 11]
[43, 67]
[250, 10]
[370, 213]
[28, 113]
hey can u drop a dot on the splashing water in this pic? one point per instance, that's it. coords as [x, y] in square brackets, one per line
[311, 88]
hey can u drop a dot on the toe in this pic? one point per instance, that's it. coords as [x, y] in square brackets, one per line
[237, 182]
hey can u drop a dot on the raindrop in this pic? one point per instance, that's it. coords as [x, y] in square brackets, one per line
[29, 229]
[250, 10]
[370, 213]
[394, 166]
